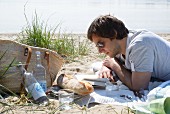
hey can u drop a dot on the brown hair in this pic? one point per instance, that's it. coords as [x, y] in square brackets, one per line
[107, 26]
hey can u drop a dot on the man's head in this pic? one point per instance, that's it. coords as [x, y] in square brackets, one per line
[107, 26]
[107, 33]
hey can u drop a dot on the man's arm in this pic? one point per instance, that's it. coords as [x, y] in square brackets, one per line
[134, 80]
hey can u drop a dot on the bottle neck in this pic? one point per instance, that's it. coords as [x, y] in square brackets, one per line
[21, 68]
[38, 61]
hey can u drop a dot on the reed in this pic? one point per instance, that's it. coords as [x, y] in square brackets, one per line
[5, 67]
[41, 35]
[37, 33]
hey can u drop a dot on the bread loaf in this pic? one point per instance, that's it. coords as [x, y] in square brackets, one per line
[70, 82]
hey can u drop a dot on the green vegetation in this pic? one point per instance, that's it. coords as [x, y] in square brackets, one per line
[101, 55]
[36, 34]
[70, 47]
[5, 67]
[40, 35]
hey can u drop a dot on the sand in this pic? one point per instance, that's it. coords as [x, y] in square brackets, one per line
[82, 65]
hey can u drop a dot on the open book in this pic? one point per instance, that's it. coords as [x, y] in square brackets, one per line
[92, 79]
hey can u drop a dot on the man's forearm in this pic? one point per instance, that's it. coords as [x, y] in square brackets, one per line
[123, 73]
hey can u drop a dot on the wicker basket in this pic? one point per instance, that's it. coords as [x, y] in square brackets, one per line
[19, 52]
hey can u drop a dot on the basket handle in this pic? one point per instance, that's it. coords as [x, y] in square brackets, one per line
[28, 52]
[47, 57]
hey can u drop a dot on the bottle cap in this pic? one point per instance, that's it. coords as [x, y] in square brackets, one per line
[38, 52]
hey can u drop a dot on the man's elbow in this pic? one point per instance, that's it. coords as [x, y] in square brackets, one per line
[138, 87]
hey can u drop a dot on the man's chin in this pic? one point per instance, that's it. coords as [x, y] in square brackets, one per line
[109, 55]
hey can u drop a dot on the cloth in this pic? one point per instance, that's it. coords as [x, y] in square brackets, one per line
[147, 52]
[123, 96]
[163, 90]
[117, 97]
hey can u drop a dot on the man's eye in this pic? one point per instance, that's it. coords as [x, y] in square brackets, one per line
[100, 45]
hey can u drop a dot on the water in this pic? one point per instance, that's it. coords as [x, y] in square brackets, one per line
[76, 15]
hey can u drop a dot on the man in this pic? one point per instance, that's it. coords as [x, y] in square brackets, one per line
[145, 54]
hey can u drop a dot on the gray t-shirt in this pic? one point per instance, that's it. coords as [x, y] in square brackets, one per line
[148, 52]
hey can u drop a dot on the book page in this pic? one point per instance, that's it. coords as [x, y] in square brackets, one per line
[92, 79]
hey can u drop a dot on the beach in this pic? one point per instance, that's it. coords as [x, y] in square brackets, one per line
[81, 65]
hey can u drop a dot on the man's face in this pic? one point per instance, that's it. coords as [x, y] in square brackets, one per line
[106, 45]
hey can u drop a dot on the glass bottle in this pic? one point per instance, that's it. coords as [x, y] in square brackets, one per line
[39, 72]
[33, 87]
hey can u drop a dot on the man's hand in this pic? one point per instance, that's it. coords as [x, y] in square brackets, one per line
[105, 72]
[110, 63]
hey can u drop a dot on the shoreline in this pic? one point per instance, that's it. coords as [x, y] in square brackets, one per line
[13, 36]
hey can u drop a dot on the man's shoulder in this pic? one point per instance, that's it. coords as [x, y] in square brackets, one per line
[142, 33]
[143, 37]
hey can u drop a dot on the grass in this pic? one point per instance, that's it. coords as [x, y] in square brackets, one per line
[39, 34]
[36, 34]
[70, 47]
[102, 56]
[5, 67]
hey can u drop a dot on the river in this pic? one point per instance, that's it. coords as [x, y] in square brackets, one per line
[76, 15]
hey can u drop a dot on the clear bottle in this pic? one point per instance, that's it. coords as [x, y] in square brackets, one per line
[33, 87]
[39, 72]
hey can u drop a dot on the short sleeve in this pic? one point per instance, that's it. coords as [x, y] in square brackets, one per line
[142, 57]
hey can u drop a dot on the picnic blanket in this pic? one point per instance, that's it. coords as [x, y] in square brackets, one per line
[124, 96]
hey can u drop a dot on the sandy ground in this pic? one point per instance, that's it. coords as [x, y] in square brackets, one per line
[82, 65]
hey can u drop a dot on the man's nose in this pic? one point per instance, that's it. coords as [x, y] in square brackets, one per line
[100, 50]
